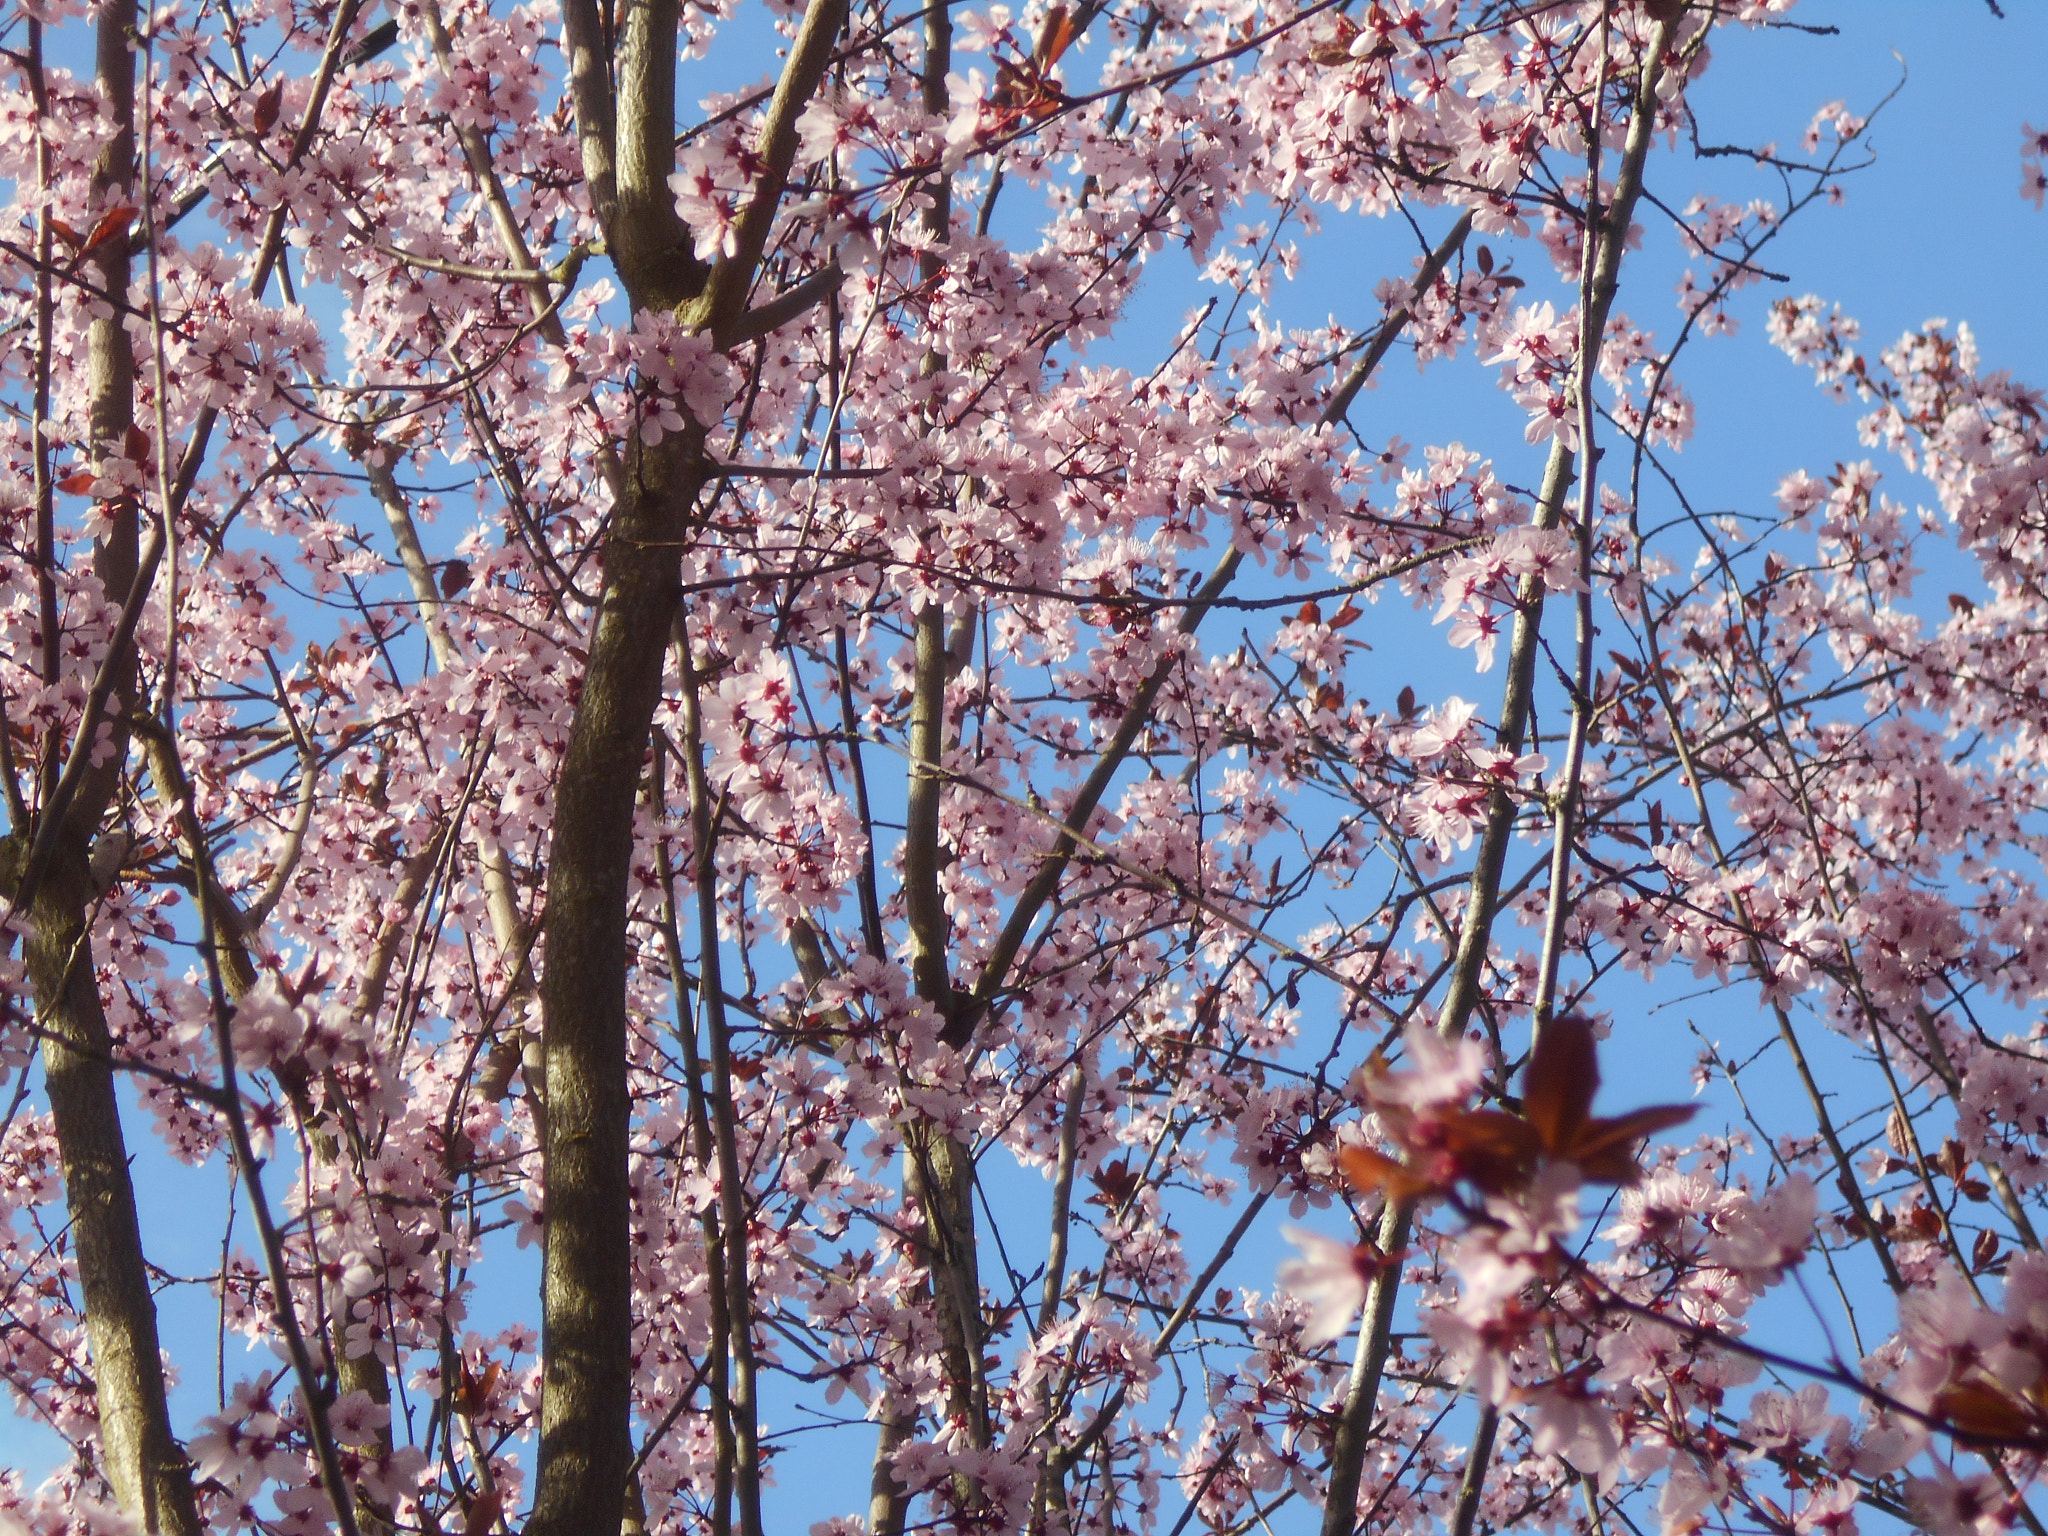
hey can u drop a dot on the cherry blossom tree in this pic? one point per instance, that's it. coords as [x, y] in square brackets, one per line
[621, 645]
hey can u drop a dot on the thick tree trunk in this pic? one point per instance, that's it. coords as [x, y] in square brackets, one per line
[627, 137]
[587, 1287]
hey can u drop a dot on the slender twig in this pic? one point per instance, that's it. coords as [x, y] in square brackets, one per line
[1354, 1429]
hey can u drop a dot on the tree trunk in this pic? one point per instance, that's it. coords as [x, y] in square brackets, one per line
[587, 1314]
[627, 137]
[139, 1456]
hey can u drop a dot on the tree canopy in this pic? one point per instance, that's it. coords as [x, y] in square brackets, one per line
[721, 712]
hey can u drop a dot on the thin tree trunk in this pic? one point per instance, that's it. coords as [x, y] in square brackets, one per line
[717, 1356]
[140, 1456]
[938, 1167]
[234, 939]
[734, 1218]
[1354, 1427]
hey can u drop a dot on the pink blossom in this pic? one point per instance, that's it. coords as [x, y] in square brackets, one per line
[1330, 1278]
[1948, 1505]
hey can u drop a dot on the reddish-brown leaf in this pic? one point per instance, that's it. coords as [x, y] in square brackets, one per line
[1563, 1076]
[1897, 1133]
[1117, 1181]
[1492, 1148]
[484, 1510]
[1977, 1408]
[1055, 37]
[112, 222]
[1984, 1252]
[1606, 1149]
[1374, 1172]
[1952, 1159]
[265, 116]
[1013, 84]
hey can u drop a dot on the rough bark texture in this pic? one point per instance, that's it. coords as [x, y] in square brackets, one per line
[139, 1456]
[627, 138]
[587, 1289]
